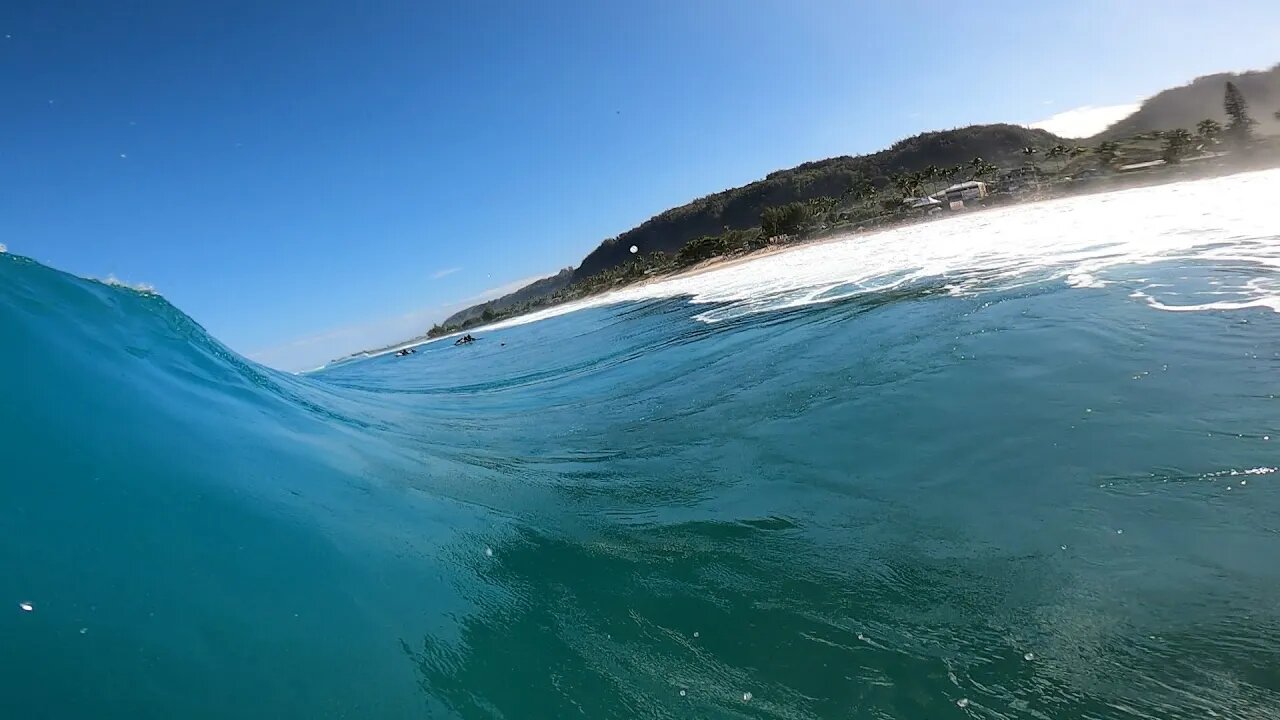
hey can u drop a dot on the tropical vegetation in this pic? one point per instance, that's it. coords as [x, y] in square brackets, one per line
[873, 190]
[1177, 143]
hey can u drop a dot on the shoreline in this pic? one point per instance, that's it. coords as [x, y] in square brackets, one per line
[1112, 184]
[622, 294]
[1117, 184]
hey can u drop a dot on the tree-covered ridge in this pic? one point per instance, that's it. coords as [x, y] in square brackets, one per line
[783, 203]
[538, 288]
[903, 184]
[741, 208]
[1201, 99]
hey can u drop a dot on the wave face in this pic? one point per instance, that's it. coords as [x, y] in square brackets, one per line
[972, 467]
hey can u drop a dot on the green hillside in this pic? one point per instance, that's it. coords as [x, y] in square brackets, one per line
[851, 191]
[536, 289]
[1185, 106]
[740, 208]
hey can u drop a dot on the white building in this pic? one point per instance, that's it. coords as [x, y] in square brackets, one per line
[924, 203]
[957, 194]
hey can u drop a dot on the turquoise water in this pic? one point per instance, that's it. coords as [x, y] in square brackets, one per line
[1030, 499]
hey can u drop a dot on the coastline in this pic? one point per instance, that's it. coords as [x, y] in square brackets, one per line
[873, 238]
[1114, 184]
[1051, 192]
[1133, 182]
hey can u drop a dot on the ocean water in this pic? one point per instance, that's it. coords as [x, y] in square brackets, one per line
[1020, 464]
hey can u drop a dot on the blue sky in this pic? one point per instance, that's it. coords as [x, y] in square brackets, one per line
[310, 178]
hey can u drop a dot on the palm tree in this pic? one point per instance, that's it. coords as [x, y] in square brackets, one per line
[1108, 152]
[917, 182]
[1075, 152]
[1059, 153]
[903, 184]
[908, 184]
[1176, 144]
[930, 174]
[979, 168]
[1209, 130]
[1030, 154]
[860, 190]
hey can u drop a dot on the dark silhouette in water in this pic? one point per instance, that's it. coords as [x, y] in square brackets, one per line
[464, 340]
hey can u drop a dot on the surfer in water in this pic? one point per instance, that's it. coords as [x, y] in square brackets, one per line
[464, 340]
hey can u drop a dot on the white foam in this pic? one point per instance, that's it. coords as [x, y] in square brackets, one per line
[144, 288]
[1233, 473]
[1075, 240]
[1267, 302]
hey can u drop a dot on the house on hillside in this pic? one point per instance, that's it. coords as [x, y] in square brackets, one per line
[1137, 167]
[1087, 175]
[1017, 179]
[1205, 156]
[956, 195]
[1152, 164]
[924, 204]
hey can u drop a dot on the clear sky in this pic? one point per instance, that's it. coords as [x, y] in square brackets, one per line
[310, 178]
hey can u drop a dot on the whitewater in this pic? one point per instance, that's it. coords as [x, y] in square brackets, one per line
[1074, 239]
[1019, 463]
